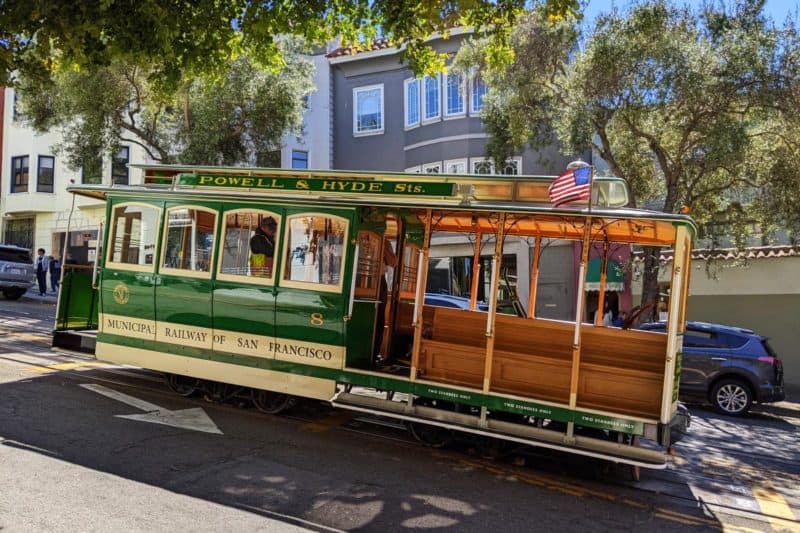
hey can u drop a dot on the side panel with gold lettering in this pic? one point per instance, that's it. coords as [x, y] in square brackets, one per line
[183, 283]
[127, 279]
[243, 293]
[313, 287]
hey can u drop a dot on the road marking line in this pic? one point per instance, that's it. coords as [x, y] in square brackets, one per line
[62, 366]
[775, 508]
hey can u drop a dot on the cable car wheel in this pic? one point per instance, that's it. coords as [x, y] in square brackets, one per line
[217, 392]
[271, 402]
[182, 385]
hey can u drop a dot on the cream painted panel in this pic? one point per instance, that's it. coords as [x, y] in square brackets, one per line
[257, 378]
[126, 326]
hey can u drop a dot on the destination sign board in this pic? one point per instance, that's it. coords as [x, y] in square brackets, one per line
[320, 184]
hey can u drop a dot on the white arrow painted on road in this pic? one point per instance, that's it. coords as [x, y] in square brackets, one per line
[195, 418]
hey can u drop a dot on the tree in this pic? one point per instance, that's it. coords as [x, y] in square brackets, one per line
[239, 118]
[183, 38]
[683, 106]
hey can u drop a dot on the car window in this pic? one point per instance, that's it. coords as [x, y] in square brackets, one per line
[11, 255]
[696, 338]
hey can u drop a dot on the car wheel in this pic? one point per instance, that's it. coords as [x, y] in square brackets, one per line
[13, 294]
[731, 397]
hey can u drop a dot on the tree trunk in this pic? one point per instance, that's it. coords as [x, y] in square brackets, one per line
[650, 284]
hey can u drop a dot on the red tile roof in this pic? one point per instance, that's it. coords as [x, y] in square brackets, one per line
[377, 44]
[760, 252]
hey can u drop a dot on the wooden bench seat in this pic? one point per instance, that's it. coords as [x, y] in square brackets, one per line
[621, 371]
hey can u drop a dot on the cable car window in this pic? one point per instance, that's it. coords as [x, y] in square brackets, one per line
[408, 273]
[249, 243]
[315, 249]
[133, 234]
[369, 267]
[189, 239]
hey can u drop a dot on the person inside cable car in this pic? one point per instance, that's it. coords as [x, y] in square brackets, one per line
[262, 248]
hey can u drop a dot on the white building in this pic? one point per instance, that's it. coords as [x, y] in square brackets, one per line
[35, 207]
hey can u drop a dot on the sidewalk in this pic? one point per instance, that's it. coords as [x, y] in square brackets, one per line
[33, 294]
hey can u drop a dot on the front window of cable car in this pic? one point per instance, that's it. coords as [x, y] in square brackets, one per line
[189, 239]
[249, 242]
[314, 249]
[133, 234]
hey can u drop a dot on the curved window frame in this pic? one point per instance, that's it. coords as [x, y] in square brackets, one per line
[110, 263]
[253, 280]
[165, 235]
[310, 285]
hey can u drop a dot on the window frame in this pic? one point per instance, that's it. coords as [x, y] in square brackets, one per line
[170, 271]
[250, 280]
[39, 174]
[473, 86]
[305, 152]
[518, 161]
[435, 164]
[414, 170]
[475, 160]
[462, 160]
[127, 169]
[366, 88]
[461, 91]
[310, 285]
[109, 252]
[418, 82]
[434, 118]
[12, 181]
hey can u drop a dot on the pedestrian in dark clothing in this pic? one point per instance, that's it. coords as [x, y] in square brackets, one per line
[262, 248]
[55, 273]
[42, 267]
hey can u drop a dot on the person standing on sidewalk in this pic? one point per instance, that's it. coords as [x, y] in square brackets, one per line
[55, 273]
[42, 267]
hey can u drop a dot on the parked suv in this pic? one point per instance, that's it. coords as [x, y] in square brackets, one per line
[16, 271]
[729, 367]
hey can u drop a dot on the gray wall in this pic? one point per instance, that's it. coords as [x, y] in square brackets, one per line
[774, 316]
[393, 150]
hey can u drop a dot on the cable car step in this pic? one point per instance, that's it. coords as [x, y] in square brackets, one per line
[79, 341]
[533, 436]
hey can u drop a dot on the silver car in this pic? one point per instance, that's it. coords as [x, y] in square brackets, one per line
[16, 271]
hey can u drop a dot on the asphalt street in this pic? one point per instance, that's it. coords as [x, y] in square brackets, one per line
[87, 446]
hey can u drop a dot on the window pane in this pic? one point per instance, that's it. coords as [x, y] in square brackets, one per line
[190, 239]
[133, 237]
[369, 270]
[455, 95]
[412, 102]
[299, 159]
[511, 168]
[431, 97]
[315, 248]
[248, 246]
[19, 172]
[44, 181]
[481, 167]
[479, 90]
[368, 110]
[119, 166]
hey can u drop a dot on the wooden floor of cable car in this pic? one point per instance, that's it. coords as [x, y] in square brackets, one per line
[621, 371]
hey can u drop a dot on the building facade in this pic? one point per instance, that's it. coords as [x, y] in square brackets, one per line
[386, 119]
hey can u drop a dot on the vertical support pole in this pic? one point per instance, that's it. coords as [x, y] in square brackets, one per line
[576, 338]
[537, 248]
[674, 328]
[601, 296]
[497, 261]
[476, 272]
[419, 301]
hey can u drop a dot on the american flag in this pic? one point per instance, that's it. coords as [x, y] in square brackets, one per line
[572, 186]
